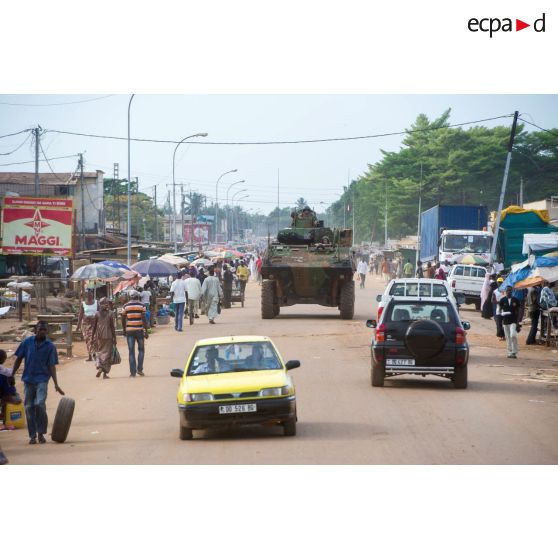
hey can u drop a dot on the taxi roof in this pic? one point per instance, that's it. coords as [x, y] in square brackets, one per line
[231, 339]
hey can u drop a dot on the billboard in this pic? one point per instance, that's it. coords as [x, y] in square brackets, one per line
[37, 226]
[201, 233]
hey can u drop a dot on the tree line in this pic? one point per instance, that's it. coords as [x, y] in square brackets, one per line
[446, 166]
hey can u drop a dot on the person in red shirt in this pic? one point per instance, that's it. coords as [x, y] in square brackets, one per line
[259, 263]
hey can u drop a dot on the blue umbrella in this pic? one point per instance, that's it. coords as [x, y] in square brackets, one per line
[155, 268]
[116, 265]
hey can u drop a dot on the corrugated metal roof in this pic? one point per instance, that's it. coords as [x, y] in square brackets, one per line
[46, 178]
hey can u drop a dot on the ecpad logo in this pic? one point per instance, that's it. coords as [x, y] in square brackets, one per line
[493, 25]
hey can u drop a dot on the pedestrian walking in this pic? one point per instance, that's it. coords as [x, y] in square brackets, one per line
[104, 334]
[228, 278]
[534, 314]
[178, 298]
[509, 306]
[134, 327]
[429, 272]
[408, 269]
[8, 393]
[385, 270]
[201, 275]
[86, 319]
[252, 269]
[211, 293]
[440, 273]
[419, 272]
[259, 263]
[497, 295]
[362, 270]
[41, 358]
[242, 273]
[193, 293]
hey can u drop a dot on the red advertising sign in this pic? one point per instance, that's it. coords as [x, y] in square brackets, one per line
[201, 233]
[37, 226]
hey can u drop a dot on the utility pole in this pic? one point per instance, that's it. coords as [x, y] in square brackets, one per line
[385, 221]
[37, 144]
[82, 202]
[278, 206]
[418, 224]
[191, 220]
[115, 191]
[156, 213]
[182, 211]
[521, 192]
[129, 235]
[344, 208]
[503, 190]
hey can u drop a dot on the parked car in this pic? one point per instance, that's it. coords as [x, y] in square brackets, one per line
[433, 288]
[233, 381]
[467, 280]
[420, 335]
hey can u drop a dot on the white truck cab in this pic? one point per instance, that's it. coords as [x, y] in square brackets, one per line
[454, 243]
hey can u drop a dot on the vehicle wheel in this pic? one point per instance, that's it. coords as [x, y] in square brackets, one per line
[186, 433]
[63, 419]
[460, 377]
[477, 305]
[289, 427]
[347, 301]
[268, 299]
[377, 375]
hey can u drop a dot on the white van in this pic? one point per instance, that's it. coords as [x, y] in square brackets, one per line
[468, 280]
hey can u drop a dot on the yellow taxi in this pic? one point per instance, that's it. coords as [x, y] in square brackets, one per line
[233, 381]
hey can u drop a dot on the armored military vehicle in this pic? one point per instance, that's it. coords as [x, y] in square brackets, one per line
[309, 264]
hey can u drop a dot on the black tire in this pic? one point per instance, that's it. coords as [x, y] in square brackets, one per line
[425, 339]
[186, 433]
[289, 427]
[63, 419]
[460, 377]
[377, 375]
[347, 301]
[268, 299]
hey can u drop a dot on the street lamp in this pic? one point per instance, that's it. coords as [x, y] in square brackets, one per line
[239, 199]
[228, 190]
[200, 135]
[129, 241]
[216, 201]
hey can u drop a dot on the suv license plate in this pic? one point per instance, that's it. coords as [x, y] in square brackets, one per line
[248, 408]
[400, 361]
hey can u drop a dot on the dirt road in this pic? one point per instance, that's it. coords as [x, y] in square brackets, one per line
[509, 413]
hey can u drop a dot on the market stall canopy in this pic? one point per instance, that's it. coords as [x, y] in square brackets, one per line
[539, 242]
[202, 261]
[22, 285]
[174, 260]
[155, 268]
[96, 271]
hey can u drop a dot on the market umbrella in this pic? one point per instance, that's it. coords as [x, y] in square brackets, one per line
[96, 271]
[115, 264]
[173, 260]
[530, 282]
[155, 268]
[471, 259]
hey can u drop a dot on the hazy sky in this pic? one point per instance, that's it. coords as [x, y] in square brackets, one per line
[314, 171]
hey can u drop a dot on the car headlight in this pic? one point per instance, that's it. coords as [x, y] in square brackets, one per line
[193, 397]
[274, 392]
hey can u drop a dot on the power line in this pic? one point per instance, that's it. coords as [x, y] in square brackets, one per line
[55, 104]
[539, 127]
[287, 142]
[15, 133]
[51, 169]
[40, 160]
[18, 147]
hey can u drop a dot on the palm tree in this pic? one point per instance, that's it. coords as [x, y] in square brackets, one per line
[301, 203]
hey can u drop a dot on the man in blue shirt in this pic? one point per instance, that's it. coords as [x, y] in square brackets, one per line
[41, 359]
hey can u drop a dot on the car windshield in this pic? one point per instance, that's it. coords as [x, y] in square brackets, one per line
[418, 289]
[466, 243]
[234, 357]
[411, 311]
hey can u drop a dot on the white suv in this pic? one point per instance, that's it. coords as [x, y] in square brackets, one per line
[467, 280]
[413, 288]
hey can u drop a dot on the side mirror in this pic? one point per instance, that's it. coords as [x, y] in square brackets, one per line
[177, 373]
[379, 298]
[466, 325]
[292, 364]
[460, 298]
[371, 323]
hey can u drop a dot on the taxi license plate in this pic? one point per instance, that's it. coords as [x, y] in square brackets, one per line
[400, 361]
[227, 409]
